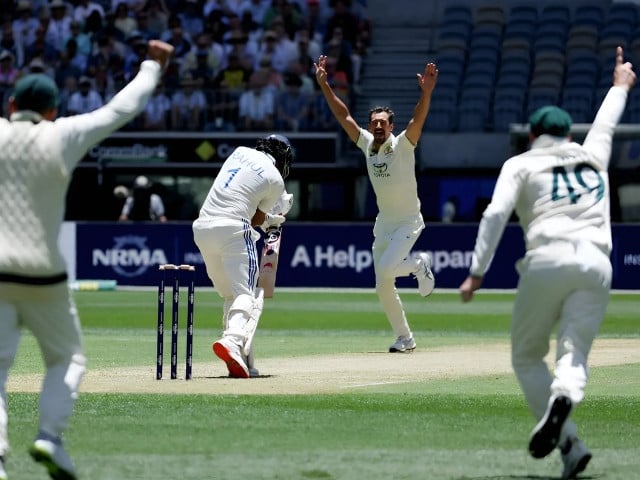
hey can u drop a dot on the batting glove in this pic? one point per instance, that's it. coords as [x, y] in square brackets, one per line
[272, 220]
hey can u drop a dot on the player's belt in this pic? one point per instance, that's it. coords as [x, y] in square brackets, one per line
[29, 280]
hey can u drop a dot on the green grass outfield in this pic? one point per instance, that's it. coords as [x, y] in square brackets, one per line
[449, 427]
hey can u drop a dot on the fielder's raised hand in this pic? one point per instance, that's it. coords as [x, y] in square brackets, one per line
[623, 74]
[427, 80]
[160, 51]
[321, 69]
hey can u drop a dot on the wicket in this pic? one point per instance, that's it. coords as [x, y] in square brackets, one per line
[176, 269]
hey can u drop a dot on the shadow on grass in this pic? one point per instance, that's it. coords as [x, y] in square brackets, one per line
[528, 477]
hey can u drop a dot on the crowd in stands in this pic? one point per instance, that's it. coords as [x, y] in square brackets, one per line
[239, 65]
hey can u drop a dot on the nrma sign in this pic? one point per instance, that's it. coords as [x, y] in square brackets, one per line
[130, 256]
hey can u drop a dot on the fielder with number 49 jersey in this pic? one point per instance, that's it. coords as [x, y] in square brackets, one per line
[248, 185]
[560, 192]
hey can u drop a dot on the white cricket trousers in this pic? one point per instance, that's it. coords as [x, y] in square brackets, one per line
[51, 315]
[228, 248]
[391, 247]
[564, 285]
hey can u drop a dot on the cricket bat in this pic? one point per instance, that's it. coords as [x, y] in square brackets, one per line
[269, 261]
[271, 249]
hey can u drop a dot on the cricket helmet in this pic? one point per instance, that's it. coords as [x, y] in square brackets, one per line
[279, 148]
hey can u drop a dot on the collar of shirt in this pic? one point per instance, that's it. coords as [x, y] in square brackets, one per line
[26, 116]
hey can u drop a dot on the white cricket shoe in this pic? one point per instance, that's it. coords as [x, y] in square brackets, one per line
[3, 472]
[575, 457]
[546, 434]
[402, 345]
[53, 457]
[229, 352]
[424, 275]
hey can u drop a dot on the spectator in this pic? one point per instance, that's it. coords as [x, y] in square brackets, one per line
[83, 41]
[59, 28]
[341, 50]
[93, 26]
[66, 68]
[142, 204]
[191, 18]
[449, 210]
[338, 80]
[308, 49]
[75, 57]
[212, 52]
[276, 9]
[157, 112]
[292, 106]
[308, 83]
[176, 36]
[157, 17]
[8, 72]
[142, 18]
[256, 106]
[230, 83]
[105, 54]
[216, 26]
[292, 19]
[316, 21]
[38, 66]
[69, 87]
[245, 49]
[202, 73]
[123, 21]
[86, 99]
[274, 79]
[136, 53]
[267, 48]
[256, 8]
[9, 43]
[188, 105]
[234, 78]
[104, 83]
[24, 27]
[343, 19]
[8, 76]
[284, 49]
[321, 116]
[41, 48]
[84, 8]
[225, 7]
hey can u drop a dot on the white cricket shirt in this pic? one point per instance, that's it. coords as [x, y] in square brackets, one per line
[392, 175]
[559, 189]
[248, 180]
[37, 158]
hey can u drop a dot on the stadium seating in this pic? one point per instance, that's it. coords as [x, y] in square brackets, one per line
[553, 53]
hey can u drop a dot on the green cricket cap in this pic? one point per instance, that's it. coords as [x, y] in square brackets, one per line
[37, 92]
[551, 120]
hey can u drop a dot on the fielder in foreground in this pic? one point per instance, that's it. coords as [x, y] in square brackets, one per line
[37, 156]
[391, 166]
[560, 192]
[250, 183]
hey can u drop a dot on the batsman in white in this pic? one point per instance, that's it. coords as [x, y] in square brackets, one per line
[37, 157]
[248, 186]
[560, 192]
[391, 166]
